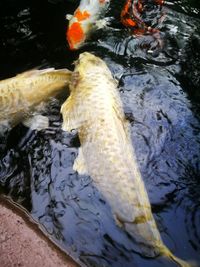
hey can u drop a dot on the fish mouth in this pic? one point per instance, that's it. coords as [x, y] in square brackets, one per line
[86, 54]
[83, 58]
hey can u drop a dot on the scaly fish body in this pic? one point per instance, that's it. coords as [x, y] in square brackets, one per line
[20, 94]
[84, 20]
[94, 108]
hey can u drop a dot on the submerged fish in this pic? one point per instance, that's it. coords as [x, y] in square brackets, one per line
[94, 108]
[142, 17]
[131, 15]
[85, 18]
[21, 94]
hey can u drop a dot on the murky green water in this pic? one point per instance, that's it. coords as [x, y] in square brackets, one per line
[160, 92]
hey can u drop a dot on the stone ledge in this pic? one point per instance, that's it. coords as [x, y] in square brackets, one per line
[23, 244]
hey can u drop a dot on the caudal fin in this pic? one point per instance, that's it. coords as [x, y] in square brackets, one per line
[168, 254]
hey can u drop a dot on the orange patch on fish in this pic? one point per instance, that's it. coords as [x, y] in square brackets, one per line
[125, 10]
[129, 22]
[75, 35]
[125, 18]
[159, 2]
[139, 31]
[81, 15]
[102, 1]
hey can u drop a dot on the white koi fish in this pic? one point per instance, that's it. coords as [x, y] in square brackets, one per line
[85, 18]
[21, 94]
[95, 109]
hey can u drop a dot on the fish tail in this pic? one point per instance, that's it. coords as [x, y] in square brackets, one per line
[168, 254]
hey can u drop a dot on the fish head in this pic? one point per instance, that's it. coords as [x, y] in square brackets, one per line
[88, 66]
[87, 58]
[87, 62]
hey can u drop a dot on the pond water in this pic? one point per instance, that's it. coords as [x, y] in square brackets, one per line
[161, 97]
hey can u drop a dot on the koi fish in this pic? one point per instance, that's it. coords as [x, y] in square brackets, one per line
[131, 15]
[84, 20]
[21, 94]
[95, 109]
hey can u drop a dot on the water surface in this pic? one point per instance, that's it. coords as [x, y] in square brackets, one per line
[160, 93]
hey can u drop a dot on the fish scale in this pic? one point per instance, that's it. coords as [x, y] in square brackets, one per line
[11, 101]
[107, 155]
[21, 94]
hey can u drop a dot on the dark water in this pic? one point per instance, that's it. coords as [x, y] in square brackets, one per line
[160, 92]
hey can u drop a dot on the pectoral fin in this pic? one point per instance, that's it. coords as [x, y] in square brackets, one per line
[69, 16]
[34, 72]
[72, 114]
[37, 122]
[118, 221]
[68, 114]
[102, 23]
[4, 127]
[80, 164]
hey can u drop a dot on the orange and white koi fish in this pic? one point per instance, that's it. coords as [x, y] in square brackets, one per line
[85, 18]
[131, 15]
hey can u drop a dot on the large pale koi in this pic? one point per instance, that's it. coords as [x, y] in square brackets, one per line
[21, 94]
[95, 109]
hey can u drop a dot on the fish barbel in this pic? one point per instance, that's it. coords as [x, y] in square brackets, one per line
[85, 18]
[20, 94]
[95, 109]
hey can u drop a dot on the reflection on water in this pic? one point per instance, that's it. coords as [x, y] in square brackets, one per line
[160, 93]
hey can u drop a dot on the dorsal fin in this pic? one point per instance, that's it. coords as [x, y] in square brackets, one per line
[34, 72]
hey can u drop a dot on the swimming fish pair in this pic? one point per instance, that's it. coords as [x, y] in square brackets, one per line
[85, 19]
[95, 109]
[20, 95]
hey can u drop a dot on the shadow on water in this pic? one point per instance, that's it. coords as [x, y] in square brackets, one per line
[160, 93]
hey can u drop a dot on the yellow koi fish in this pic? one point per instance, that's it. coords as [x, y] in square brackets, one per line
[85, 18]
[95, 109]
[20, 94]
